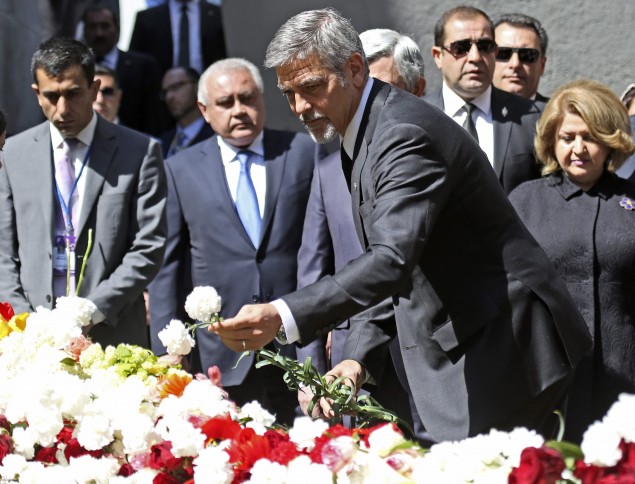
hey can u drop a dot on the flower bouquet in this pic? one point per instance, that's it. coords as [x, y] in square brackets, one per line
[72, 411]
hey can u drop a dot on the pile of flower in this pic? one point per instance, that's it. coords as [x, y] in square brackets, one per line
[72, 411]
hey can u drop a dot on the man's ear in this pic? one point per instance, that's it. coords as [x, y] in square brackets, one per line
[357, 69]
[420, 89]
[437, 53]
[203, 109]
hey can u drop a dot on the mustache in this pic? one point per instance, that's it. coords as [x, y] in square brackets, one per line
[311, 117]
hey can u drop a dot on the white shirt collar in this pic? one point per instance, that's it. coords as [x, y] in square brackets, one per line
[228, 152]
[86, 135]
[453, 103]
[350, 136]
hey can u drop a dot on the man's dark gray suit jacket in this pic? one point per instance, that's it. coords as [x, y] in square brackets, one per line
[484, 322]
[208, 245]
[514, 120]
[123, 203]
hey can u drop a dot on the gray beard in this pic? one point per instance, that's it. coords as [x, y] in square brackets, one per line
[329, 134]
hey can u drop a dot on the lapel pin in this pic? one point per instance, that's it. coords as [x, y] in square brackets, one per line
[504, 111]
[627, 203]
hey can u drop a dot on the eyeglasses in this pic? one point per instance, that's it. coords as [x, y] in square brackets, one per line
[459, 48]
[525, 54]
[107, 91]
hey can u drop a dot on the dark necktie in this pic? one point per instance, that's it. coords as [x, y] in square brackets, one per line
[468, 124]
[247, 200]
[347, 166]
[184, 38]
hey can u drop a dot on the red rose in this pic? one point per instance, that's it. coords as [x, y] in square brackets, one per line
[538, 466]
[6, 445]
[5, 424]
[165, 478]
[46, 455]
[6, 311]
[284, 452]
[126, 470]
[161, 457]
[213, 372]
[74, 449]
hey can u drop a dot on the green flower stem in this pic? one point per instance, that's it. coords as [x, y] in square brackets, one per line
[300, 375]
[84, 262]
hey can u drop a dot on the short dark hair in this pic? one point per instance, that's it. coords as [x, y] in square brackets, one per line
[102, 70]
[464, 12]
[3, 121]
[57, 54]
[525, 21]
[100, 7]
[192, 74]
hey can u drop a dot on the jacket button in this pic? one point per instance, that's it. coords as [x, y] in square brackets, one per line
[48, 298]
[318, 332]
[260, 259]
[354, 186]
[255, 298]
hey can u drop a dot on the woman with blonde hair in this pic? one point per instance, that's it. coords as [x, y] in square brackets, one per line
[583, 215]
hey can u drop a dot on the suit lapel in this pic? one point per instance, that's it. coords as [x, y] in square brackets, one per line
[102, 152]
[274, 166]
[376, 99]
[502, 130]
[41, 163]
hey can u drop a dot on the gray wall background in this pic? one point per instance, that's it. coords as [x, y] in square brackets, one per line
[588, 38]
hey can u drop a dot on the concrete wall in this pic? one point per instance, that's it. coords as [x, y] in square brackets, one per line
[588, 38]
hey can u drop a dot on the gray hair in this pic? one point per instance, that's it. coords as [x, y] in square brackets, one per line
[228, 65]
[380, 43]
[324, 33]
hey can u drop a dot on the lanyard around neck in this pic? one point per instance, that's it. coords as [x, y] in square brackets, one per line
[66, 205]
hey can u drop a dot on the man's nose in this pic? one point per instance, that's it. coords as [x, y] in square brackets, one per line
[474, 55]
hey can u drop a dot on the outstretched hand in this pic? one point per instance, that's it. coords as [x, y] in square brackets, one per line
[253, 327]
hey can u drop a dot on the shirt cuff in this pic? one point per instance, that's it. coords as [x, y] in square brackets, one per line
[98, 317]
[288, 321]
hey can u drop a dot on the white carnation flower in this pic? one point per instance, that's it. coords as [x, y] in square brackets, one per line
[301, 469]
[305, 430]
[266, 472]
[261, 418]
[89, 469]
[81, 310]
[212, 465]
[176, 338]
[13, 465]
[202, 303]
[384, 439]
[600, 445]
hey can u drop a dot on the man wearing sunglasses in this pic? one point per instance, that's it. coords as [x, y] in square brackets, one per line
[502, 124]
[108, 97]
[520, 61]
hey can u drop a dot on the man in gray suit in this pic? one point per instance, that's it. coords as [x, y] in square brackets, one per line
[488, 333]
[329, 240]
[502, 123]
[74, 173]
[211, 238]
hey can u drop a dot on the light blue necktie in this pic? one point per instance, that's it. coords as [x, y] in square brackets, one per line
[246, 199]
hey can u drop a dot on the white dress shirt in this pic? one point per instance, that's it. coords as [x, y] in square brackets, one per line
[453, 105]
[257, 169]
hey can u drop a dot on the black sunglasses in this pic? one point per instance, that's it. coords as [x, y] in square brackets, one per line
[107, 91]
[460, 48]
[525, 54]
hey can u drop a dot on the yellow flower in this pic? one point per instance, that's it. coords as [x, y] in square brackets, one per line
[18, 322]
[4, 328]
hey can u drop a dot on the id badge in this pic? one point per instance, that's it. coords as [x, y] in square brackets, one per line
[59, 254]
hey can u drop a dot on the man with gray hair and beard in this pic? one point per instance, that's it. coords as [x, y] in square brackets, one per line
[329, 240]
[487, 330]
